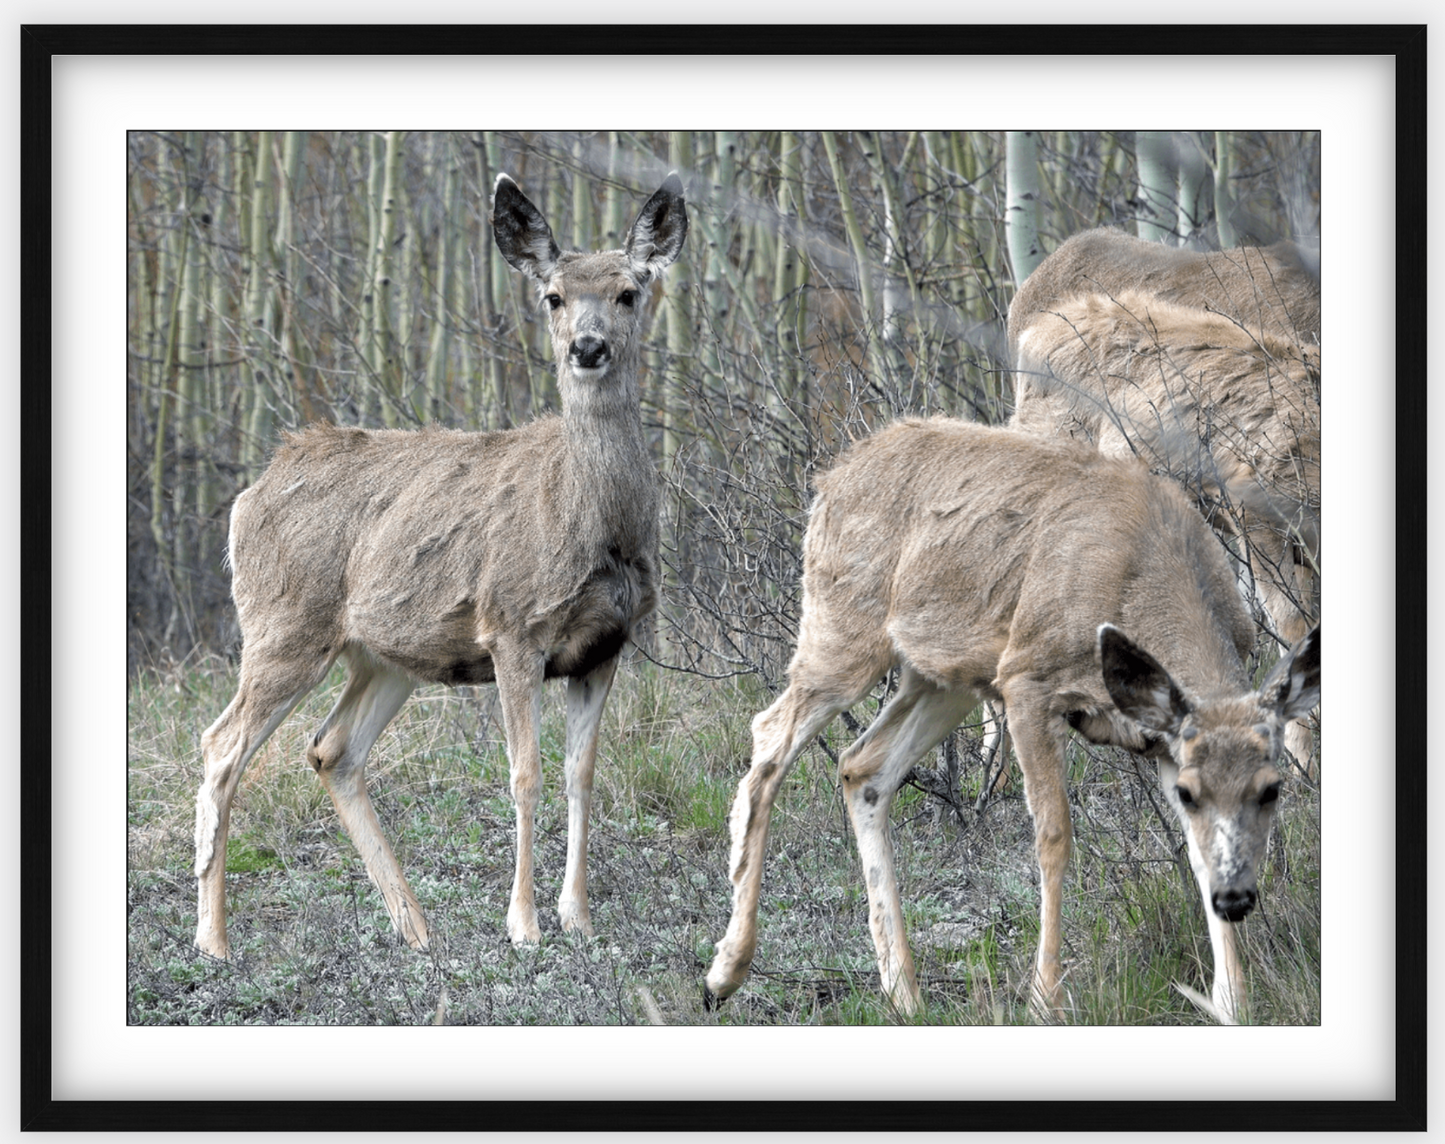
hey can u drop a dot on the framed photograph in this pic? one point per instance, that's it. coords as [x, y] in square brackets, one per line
[99, 102]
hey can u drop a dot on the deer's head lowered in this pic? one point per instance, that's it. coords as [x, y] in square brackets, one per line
[1224, 751]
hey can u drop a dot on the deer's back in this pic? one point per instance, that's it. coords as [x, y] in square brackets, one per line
[418, 544]
[1270, 288]
[970, 549]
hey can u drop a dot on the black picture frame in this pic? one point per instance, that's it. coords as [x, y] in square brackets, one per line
[39, 1111]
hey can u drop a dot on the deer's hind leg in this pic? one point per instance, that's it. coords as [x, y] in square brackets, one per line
[918, 716]
[373, 695]
[269, 689]
[586, 696]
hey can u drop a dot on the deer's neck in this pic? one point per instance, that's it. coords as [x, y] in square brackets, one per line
[608, 481]
[1197, 626]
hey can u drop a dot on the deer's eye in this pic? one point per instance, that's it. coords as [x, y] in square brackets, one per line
[1184, 796]
[1269, 794]
[554, 301]
[627, 298]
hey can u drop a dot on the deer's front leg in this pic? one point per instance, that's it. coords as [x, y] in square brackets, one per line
[586, 697]
[519, 686]
[1039, 742]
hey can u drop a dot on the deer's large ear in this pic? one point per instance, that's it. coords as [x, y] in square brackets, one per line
[522, 234]
[1138, 685]
[1293, 685]
[655, 240]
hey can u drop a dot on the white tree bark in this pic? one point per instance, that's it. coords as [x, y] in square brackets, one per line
[1223, 193]
[1157, 165]
[1021, 210]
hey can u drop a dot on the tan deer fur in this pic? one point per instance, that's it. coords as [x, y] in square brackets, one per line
[1269, 288]
[1207, 366]
[456, 558]
[988, 564]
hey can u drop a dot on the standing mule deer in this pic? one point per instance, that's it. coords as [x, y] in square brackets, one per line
[457, 558]
[1207, 367]
[1078, 589]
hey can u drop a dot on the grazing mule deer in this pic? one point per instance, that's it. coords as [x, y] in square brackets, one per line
[457, 558]
[988, 564]
[1207, 367]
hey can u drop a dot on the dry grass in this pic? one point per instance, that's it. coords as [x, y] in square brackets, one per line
[313, 943]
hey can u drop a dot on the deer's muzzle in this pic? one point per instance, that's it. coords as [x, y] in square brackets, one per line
[1233, 904]
[589, 352]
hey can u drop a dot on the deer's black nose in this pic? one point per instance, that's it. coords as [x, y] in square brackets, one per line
[1233, 905]
[588, 351]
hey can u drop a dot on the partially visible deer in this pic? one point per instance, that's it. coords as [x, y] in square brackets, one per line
[456, 558]
[1078, 589]
[1207, 367]
[1271, 288]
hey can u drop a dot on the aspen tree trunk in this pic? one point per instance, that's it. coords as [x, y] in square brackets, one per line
[938, 223]
[801, 391]
[584, 231]
[709, 259]
[900, 288]
[373, 148]
[868, 327]
[1157, 180]
[385, 357]
[767, 236]
[945, 257]
[258, 298]
[145, 338]
[236, 403]
[166, 285]
[1223, 194]
[1021, 211]
[790, 267]
[190, 422]
[790, 274]
[612, 208]
[220, 302]
[293, 149]
[491, 383]
[1116, 165]
[407, 364]
[1193, 177]
[438, 364]
[342, 304]
[165, 403]
[733, 232]
[965, 234]
[728, 296]
[203, 420]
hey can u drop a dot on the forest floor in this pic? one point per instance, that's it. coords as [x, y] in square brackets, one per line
[311, 941]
